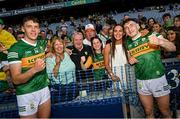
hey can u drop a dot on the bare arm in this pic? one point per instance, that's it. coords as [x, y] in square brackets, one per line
[106, 58]
[19, 77]
[169, 46]
[106, 62]
[164, 43]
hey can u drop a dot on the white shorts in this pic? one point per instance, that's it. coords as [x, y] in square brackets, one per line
[157, 87]
[28, 103]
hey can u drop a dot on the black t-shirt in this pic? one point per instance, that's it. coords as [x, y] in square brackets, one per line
[76, 55]
[81, 76]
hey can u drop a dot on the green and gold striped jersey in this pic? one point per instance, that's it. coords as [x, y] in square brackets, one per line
[150, 65]
[26, 54]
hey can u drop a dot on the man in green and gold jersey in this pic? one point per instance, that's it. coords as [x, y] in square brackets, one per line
[27, 66]
[144, 53]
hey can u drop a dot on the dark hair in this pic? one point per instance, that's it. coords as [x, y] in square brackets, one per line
[152, 19]
[28, 18]
[114, 40]
[177, 16]
[92, 39]
[166, 14]
[176, 32]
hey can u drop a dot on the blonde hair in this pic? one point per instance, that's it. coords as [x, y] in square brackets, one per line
[54, 39]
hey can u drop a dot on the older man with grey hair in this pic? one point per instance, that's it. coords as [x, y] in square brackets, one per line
[103, 35]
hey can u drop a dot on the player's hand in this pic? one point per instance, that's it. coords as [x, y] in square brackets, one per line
[132, 60]
[39, 65]
[154, 40]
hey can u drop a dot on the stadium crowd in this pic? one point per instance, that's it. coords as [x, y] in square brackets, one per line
[96, 42]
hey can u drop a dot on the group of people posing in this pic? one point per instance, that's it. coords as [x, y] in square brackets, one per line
[31, 66]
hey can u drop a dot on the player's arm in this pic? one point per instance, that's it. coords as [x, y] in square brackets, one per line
[19, 77]
[169, 46]
[164, 43]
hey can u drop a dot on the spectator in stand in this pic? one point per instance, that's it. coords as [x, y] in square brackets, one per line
[157, 28]
[114, 56]
[19, 35]
[143, 26]
[6, 38]
[110, 33]
[149, 70]
[173, 36]
[97, 59]
[27, 67]
[103, 35]
[4, 75]
[80, 53]
[64, 36]
[97, 62]
[177, 23]
[63, 24]
[98, 26]
[126, 16]
[167, 20]
[115, 60]
[151, 22]
[60, 63]
[141, 17]
[61, 69]
[11, 30]
[49, 34]
[90, 32]
[43, 34]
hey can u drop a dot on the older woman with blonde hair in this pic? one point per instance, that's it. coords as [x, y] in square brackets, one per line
[60, 68]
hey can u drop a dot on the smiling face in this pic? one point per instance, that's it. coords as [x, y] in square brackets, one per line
[58, 46]
[31, 30]
[78, 40]
[151, 22]
[171, 35]
[90, 33]
[118, 32]
[131, 29]
[96, 43]
[177, 21]
[156, 28]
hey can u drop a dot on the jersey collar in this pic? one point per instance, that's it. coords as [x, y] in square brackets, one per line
[28, 42]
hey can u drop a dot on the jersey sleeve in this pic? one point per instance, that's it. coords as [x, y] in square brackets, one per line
[13, 55]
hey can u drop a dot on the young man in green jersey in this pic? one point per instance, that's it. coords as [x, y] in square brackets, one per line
[144, 53]
[27, 66]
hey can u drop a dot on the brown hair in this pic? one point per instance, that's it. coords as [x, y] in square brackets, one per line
[29, 18]
[114, 40]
